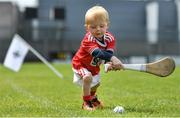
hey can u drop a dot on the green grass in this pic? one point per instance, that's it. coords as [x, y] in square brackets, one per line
[36, 91]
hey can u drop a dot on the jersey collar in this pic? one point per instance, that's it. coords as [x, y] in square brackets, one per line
[103, 44]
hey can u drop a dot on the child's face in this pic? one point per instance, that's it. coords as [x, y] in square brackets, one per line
[97, 29]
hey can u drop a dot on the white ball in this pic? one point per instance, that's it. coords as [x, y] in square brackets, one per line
[118, 109]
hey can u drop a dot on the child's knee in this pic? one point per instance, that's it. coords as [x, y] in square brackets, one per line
[87, 78]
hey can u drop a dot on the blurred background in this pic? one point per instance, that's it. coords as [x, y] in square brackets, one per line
[145, 29]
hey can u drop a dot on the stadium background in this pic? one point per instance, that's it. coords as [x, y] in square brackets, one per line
[56, 27]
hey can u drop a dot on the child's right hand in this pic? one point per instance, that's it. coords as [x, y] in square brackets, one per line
[116, 63]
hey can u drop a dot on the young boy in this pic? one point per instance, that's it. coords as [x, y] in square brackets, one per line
[97, 45]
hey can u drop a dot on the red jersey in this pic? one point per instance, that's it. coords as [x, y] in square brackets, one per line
[83, 57]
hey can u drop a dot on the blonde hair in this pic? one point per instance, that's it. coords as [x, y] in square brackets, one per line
[96, 13]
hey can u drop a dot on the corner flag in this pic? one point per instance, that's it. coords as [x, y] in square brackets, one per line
[16, 54]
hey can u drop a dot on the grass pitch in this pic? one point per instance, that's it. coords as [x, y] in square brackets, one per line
[36, 92]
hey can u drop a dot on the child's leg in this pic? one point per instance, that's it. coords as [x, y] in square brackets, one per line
[89, 85]
[95, 101]
[94, 89]
[87, 105]
[87, 79]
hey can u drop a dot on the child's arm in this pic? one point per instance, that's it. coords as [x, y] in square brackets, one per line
[102, 54]
[107, 56]
[109, 66]
[116, 63]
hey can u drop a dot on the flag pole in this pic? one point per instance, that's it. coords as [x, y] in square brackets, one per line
[45, 62]
[42, 59]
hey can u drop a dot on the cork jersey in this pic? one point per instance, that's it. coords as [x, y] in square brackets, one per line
[83, 57]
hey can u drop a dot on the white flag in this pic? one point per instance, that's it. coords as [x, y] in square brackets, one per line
[16, 54]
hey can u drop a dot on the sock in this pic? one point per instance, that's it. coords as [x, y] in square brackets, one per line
[87, 98]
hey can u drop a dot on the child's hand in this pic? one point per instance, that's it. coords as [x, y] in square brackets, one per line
[108, 67]
[116, 63]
